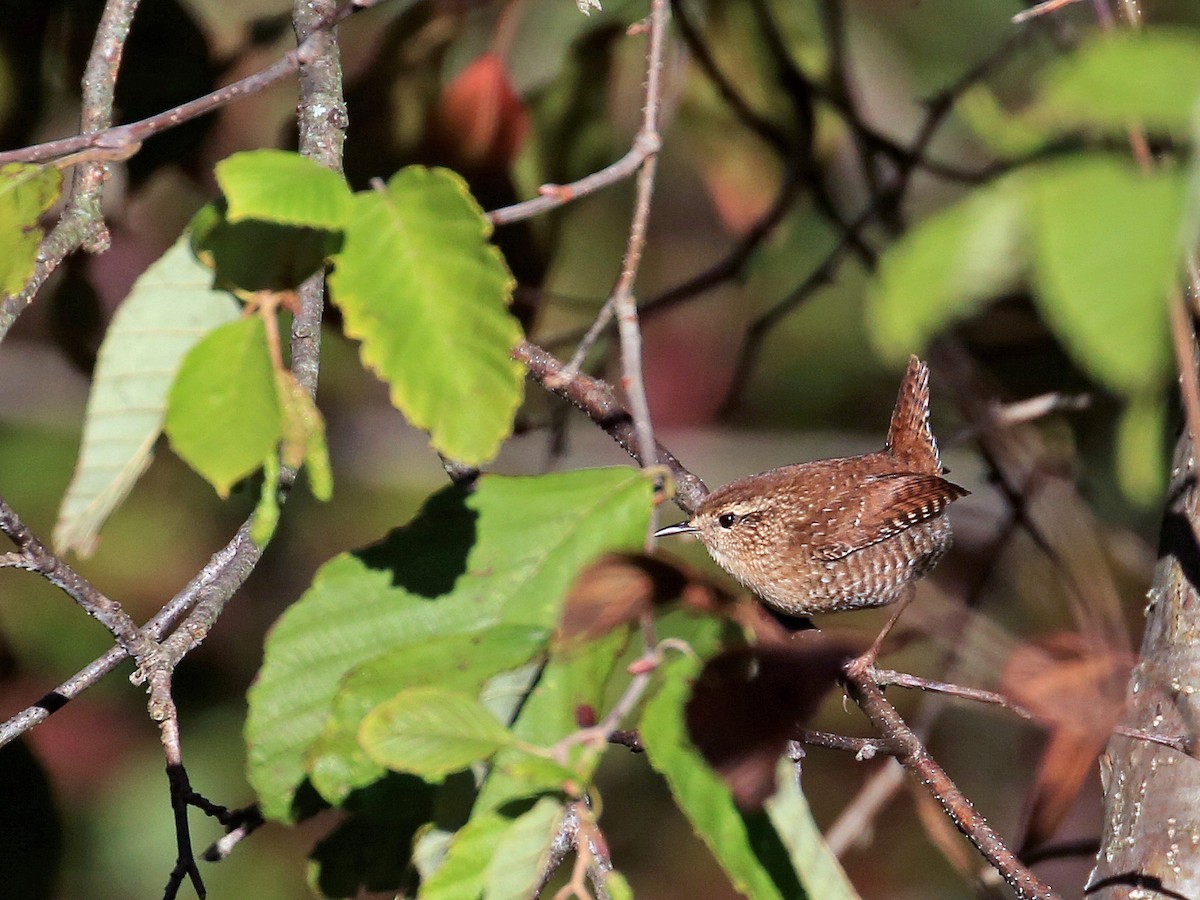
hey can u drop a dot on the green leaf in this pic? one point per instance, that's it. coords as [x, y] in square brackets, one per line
[1149, 77]
[522, 852]
[26, 191]
[699, 792]
[266, 512]
[303, 434]
[584, 678]
[223, 413]
[461, 874]
[171, 307]
[945, 267]
[819, 870]
[279, 186]
[431, 732]
[1107, 243]
[427, 295]
[1142, 460]
[618, 887]
[505, 553]
[459, 662]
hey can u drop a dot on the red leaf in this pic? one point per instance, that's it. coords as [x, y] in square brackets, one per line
[480, 119]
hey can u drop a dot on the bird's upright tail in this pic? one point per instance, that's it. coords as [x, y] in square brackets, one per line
[909, 439]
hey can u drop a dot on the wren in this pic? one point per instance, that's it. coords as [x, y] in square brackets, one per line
[837, 534]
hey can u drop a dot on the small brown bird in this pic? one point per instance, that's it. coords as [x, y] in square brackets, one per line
[837, 533]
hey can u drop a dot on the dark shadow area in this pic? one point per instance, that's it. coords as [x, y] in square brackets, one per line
[426, 556]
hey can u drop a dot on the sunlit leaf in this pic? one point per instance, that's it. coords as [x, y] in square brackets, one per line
[1108, 245]
[171, 307]
[303, 434]
[819, 870]
[461, 662]
[946, 266]
[522, 852]
[427, 295]
[504, 553]
[431, 732]
[284, 187]
[223, 413]
[1141, 449]
[1149, 77]
[461, 874]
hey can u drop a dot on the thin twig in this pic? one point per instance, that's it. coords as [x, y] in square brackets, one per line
[913, 756]
[885, 677]
[597, 399]
[863, 748]
[556, 195]
[623, 303]
[37, 558]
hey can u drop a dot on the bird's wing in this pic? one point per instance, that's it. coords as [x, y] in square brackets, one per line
[890, 505]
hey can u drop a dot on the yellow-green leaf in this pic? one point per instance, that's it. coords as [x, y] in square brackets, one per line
[1107, 247]
[431, 732]
[427, 295]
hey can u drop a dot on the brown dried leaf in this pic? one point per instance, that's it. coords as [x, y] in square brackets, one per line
[620, 588]
[1076, 688]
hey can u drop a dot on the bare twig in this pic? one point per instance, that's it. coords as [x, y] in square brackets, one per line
[913, 756]
[35, 557]
[556, 195]
[623, 303]
[596, 398]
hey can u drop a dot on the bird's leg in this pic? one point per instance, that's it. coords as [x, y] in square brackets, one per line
[867, 660]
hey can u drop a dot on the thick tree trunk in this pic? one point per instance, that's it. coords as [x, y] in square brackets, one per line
[1151, 837]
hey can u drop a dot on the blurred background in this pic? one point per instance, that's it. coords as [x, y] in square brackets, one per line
[760, 363]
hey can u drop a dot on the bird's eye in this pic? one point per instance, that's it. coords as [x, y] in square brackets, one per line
[726, 520]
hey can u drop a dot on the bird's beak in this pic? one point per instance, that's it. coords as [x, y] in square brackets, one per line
[678, 528]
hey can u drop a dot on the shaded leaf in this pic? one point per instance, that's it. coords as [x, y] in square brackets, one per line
[522, 852]
[943, 269]
[431, 732]
[427, 296]
[252, 255]
[26, 191]
[370, 848]
[223, 413]
[749, 702]
[1107, 243]
[171, 307]
[505, 553]
[1147, 76]
[284, 187]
